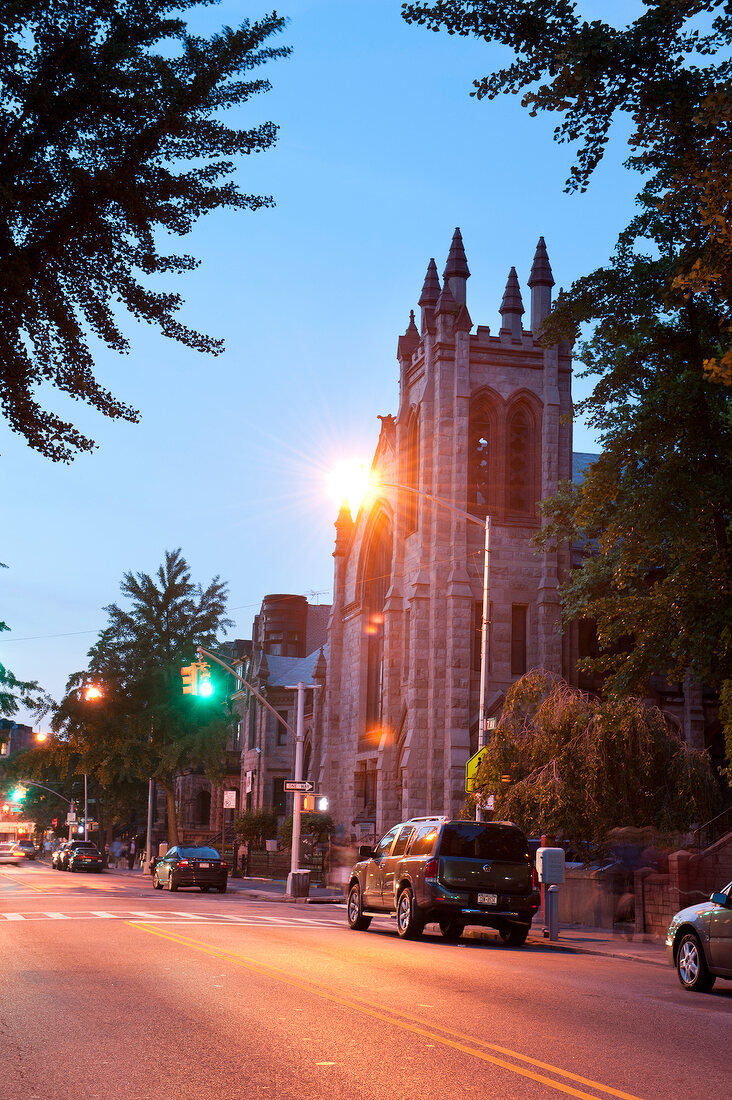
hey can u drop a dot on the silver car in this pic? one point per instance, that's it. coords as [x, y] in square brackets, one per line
[9, 853]
[699, 942]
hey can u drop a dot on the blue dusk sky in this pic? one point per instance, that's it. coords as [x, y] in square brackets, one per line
[381, 153]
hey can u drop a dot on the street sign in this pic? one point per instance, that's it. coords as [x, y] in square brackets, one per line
[71, 819]
[489, 724]
[299, 786]
[229, 800]
[471, 769]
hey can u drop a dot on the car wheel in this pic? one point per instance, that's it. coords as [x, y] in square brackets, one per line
[409, 922]
[156, 881]
[221, 889]
[691, 966]
[172, 885]
[354, 910]
[452, 929]
[514, 935]
[205, 889]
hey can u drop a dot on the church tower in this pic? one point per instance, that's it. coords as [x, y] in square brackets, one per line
[483, 428]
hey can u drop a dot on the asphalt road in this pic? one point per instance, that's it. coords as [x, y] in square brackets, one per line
[110, 990]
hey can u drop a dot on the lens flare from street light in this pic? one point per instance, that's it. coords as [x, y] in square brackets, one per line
[350, 482]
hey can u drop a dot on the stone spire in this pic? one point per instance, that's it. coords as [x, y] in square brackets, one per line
[456, 271]
[512, 308]
[541, 282]
[344, 530]
[409, 341]
[430, 294]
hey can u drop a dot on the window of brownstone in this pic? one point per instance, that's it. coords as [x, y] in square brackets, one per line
[375, 585]
[481, 457]
[278, 796]
[521, 490]
[518, 639]
[411, 479]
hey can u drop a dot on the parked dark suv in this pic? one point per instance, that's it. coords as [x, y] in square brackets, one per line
[453, 873]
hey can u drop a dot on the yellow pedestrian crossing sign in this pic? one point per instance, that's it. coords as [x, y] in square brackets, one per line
[471, 769]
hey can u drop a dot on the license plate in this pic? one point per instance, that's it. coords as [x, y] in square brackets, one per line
[204, 866]
[487, 899]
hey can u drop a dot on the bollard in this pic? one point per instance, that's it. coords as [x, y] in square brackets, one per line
[552, 895]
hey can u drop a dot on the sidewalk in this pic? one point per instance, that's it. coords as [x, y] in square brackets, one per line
[588, 941]
[572, 939]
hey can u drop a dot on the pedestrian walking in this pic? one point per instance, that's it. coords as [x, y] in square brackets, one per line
[131, 854]
[115, 849]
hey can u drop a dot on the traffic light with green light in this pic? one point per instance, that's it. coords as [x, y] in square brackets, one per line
[18, 794]
[197, 679]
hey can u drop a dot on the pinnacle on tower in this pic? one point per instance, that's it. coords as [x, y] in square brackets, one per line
[409, 341]
[512, 307]
[456, 271]
[541, 282]
[430, 294]
[446, 302]
[541, 272]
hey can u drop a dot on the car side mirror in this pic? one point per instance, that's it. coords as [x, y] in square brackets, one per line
[365, 851]
[719, 899]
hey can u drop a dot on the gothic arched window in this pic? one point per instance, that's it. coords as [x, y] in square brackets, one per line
[481, 457]
[376, 580]
[521, 490]
[411, 477]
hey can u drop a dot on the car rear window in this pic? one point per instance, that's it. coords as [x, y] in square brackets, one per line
[483, 841]
[199, 853]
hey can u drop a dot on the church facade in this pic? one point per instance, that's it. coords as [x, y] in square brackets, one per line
[483, 428]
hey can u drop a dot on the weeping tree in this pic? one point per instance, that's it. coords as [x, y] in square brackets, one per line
[142, 726]
[563, 763]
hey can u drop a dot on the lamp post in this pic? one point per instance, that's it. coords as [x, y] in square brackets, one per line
[486, 525]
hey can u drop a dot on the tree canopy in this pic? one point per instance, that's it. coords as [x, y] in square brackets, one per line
[655, 507]
[142, 725]
[655, 510]
[561, 762]
[111, 134]
[669, 70]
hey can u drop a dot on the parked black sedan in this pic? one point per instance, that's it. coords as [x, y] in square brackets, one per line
[60, 860]
[699, 942]
[85, 858]
[191, 865]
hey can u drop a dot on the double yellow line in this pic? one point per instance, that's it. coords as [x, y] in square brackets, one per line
[521, 1064]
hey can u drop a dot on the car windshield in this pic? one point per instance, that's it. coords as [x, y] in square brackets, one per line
[199, 853]
[84, 844]
[468, 841]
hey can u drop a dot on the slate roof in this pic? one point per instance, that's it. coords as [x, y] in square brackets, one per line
[288, 671]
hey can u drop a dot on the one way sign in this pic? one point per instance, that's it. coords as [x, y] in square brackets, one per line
[301, 786]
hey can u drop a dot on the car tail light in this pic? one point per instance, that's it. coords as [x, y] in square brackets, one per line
[223, 864]
[430, 868]
[534, 879]
[184, 863]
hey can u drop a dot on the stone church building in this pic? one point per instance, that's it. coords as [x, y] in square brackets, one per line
[483, 424]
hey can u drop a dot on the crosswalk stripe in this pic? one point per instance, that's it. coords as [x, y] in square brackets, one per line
[13, 916]
[58, 916]
[101, 913]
